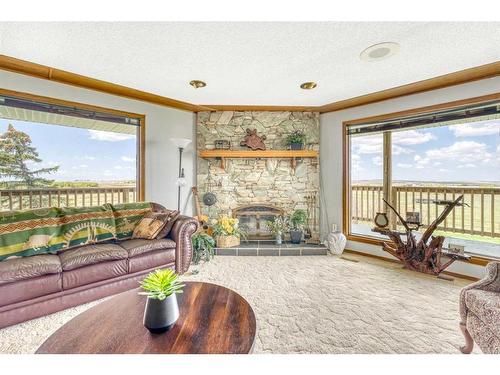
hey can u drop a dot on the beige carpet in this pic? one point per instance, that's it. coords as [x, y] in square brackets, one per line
[316, 304]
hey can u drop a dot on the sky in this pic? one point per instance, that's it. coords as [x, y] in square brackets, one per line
[457, 153]
[81, 154]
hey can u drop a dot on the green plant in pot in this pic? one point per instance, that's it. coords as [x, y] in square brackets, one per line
[298, 220]
[203, 247]
[278, 226]
[296, 140]
[162, 309]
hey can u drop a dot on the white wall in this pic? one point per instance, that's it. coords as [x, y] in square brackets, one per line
[162, 123]
[331, 149]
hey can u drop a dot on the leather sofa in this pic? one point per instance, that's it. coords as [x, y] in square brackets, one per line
[38, 285]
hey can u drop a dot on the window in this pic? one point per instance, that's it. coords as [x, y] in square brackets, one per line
[416, 160]
[56, 153]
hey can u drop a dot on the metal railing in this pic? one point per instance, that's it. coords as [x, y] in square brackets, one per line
[20, 199]
[478, 218]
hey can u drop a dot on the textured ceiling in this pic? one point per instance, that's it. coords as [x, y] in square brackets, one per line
[253, 63]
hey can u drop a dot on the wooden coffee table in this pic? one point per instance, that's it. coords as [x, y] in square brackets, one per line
[213, 319]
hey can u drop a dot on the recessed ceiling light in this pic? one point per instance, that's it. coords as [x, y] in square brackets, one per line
[308, 85]
[197, 84]
[379, 51]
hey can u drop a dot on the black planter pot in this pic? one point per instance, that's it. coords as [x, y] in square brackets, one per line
[295, 236]
[160, 316]
[296, 146]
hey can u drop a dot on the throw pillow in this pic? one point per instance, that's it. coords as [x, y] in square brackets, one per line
[173, 215]
[150, 225]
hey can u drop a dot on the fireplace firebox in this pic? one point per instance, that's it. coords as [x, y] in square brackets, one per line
[253, 220]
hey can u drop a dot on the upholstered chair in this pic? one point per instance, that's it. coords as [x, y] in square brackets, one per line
[480, 312]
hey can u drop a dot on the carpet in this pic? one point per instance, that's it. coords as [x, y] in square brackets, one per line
[316, 304]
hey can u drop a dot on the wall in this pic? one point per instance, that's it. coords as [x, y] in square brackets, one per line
[251, 181]
[331, 149]
[162, 123]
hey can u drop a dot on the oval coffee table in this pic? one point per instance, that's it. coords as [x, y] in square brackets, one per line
[213, 319]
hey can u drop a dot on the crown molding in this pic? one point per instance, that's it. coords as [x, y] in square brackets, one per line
[57, 75]
[61, 76]
[439, 82]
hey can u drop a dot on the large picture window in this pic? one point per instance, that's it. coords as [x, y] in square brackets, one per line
[416, 160]
[56, 153]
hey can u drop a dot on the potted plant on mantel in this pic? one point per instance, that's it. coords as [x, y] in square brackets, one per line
[278, 226]
[162, 309]
[227, 232]
[296, 140]
[298, 220]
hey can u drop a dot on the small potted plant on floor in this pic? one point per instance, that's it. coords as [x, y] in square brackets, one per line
[278, 226]
[227, 232]
[162, 309]
[296, 140]
[203, 247]
[297, 220]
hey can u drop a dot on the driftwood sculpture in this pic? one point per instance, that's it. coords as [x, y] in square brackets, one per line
[253, 141]
[420, 255]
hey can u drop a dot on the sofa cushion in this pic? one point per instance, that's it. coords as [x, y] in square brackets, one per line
[138, 246]
[486, 306]
[173, 215]
[94, 273]
[90, 254]
[17, 269]
[153, 259]
[24, 290]
[150, 225]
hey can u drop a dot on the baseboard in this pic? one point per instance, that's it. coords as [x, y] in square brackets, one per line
[453, 274]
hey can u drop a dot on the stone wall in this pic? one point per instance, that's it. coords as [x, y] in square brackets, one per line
[252, 181]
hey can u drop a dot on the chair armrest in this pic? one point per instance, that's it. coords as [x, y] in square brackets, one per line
[491, 283]
[182, 231]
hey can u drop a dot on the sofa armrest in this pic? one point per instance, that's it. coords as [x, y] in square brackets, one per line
[491, 283]
[182, 231]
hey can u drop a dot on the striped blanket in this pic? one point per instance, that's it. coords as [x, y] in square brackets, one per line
[49, 230]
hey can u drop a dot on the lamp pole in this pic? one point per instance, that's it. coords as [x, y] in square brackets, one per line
[181, 175]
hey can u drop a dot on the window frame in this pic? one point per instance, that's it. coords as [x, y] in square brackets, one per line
[140, 134]
[346, 165]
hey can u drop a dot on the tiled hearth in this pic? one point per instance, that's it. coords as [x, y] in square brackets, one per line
[269, 248]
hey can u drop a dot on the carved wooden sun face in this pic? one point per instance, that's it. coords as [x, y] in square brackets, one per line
[381, 220]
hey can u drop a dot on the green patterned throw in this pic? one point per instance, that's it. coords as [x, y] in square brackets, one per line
[49, 230]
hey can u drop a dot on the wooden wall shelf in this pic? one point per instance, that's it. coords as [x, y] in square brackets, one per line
[257, 154]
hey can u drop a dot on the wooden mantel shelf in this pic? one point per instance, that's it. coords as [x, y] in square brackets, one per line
[251, 154]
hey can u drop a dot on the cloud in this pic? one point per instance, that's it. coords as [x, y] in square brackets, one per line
[476, 129]
[404, 165]
[461, 152]
[411, 137]
[372, 144]
[377, 160]
[99, 135]
[468, 165]
[128, 159]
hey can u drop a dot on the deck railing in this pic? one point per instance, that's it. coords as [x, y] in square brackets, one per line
[19, 199]
[478, 218]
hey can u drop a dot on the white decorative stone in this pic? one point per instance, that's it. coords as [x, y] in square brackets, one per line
[336, 242]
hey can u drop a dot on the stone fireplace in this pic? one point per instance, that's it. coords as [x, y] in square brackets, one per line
[255, 189]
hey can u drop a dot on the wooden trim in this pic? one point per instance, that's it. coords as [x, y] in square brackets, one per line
[52, 74]
[291, 108]
[346, 228]
[258, 154]
[426, 109]
[458, 275]
[446, 80]
[141, 134]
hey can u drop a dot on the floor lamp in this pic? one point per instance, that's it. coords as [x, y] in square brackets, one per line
[181, 144]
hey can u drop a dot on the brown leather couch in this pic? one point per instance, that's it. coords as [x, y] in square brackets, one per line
[38, 285]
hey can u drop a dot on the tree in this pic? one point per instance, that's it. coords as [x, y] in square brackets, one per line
[15, 153]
